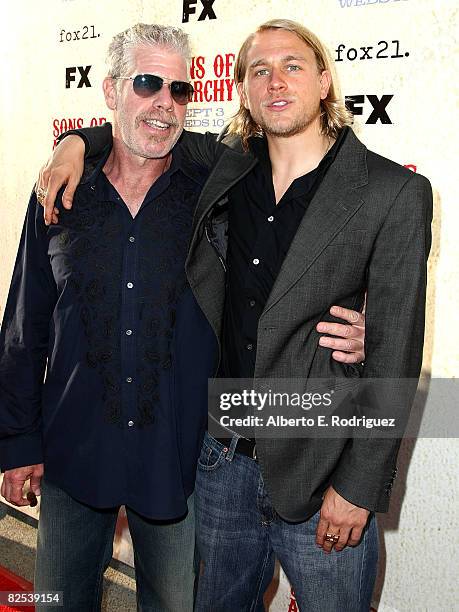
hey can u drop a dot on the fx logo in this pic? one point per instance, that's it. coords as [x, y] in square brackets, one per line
[189, 8]
[83, 76]
[379, 113]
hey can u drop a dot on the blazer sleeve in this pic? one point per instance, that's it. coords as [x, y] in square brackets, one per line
[395, 316]
[203, 149]
[96, 139]
[24, 339]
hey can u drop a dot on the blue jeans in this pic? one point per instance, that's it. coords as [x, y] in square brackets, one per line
[239, 534]
[75, 545]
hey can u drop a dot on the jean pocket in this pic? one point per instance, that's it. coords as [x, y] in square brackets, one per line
[210, 458]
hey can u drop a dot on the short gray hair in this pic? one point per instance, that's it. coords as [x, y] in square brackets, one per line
[120, 52]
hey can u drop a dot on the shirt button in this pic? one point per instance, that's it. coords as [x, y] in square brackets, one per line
[271, 219]
[131, 239]
[129, 332]
[130, 285]
[252, 303]
[128, 379]
[130, 423]
[256, 262]
[249, 347]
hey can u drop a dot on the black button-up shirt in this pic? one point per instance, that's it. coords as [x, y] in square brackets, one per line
[259, 237]
[102, 302]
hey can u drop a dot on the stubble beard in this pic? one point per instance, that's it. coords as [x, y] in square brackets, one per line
[296, 126]
[169, 139]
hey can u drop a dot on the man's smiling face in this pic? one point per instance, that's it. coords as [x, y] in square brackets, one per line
[283, 87]
[151, 126]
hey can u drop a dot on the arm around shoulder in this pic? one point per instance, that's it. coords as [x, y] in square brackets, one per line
[203, 149]
[96, 139]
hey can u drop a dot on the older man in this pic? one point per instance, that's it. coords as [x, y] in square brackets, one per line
[103, 299]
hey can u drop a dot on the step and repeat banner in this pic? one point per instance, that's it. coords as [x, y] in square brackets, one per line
[397, 64]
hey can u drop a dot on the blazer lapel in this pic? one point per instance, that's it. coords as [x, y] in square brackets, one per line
[230, 168]
[335, 202]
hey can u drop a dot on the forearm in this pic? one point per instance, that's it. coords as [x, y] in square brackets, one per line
[96, 139]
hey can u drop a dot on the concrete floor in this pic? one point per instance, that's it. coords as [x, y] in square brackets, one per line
[18, 535]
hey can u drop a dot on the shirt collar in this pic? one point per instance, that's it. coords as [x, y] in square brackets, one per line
[93, 167]
[259, 147]
[303, 184]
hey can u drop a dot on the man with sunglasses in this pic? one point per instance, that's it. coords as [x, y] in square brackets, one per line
[101, 299]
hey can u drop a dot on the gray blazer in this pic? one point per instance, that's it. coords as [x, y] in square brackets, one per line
[366, 230]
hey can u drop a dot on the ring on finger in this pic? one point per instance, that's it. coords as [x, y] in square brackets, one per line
[41, 194]
[331, 537]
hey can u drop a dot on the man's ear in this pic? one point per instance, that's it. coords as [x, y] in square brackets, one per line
[242, 96]
[325, 82]
[110, 93]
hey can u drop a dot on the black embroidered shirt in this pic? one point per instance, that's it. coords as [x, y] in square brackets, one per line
[102, 302]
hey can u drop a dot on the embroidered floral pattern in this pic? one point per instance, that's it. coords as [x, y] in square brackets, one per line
[92, 241]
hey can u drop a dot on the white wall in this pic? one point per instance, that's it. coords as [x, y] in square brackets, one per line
[419, 539]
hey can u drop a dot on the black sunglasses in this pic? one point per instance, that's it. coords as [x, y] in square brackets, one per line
[146, 85]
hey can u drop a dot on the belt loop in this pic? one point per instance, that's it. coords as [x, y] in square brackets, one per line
[232, 448]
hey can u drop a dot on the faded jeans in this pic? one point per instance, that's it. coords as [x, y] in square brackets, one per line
[239, 534]
[75, 545]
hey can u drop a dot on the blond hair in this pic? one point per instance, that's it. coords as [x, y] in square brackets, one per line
[334, 114]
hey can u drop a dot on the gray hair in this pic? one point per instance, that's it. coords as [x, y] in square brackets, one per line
[120, 58]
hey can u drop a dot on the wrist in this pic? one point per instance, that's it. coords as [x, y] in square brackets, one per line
[76, 140]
